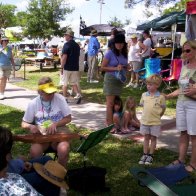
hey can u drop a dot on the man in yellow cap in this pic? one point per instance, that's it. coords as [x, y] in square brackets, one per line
[50, 110]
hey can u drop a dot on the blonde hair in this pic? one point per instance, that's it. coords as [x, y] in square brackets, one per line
[191, 43]
[133, 109]
[154, 79]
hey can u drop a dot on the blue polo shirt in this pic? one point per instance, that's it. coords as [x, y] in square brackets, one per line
[72, 49]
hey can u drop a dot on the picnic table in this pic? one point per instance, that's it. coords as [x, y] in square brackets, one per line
[41, 58]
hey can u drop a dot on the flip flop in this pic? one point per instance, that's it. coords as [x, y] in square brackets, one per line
[193, 169]
[176, 162]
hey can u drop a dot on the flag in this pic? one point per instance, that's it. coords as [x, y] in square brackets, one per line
[82, 23]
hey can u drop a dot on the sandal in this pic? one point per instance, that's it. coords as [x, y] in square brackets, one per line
[176, 162]
[191, 168]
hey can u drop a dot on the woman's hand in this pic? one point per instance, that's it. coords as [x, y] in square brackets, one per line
[190, 91]
[119, 67]
[27, 166]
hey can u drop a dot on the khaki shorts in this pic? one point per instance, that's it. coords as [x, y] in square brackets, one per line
[154, 130]
[136, 65]
[71, 77]
[5, 72]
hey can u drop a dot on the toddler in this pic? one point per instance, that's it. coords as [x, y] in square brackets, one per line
[117, 114]
[153, 108]
[129, 120]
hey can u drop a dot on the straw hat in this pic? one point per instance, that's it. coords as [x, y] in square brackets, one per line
[93, 32]
[47, 88]
[4, 39]
[133, 36]
[69, 32]
[53, 172]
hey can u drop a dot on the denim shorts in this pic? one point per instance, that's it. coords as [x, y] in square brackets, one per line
[186, 116]
[154, 130]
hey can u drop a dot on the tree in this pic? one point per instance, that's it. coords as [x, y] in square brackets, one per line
[157, 3]
[177, 7]
[44, 17]
[7, 17]
[21, 19]
[115, 22]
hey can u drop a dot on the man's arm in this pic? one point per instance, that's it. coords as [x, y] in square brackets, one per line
[63, 61]
[28, 126]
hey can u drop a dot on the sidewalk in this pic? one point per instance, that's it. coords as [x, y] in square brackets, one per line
[92, 116]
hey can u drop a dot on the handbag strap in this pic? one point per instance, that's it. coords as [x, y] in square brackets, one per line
[116, 58]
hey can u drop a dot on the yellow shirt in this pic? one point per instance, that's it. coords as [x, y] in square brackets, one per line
[152, 108]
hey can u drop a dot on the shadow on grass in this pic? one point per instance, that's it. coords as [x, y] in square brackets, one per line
[118, 156]
[45, 69]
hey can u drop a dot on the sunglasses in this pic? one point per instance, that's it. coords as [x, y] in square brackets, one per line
[186, 51]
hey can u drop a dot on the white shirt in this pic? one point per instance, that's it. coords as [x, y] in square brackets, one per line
[147, 42]
[133, 54]
[36, 113]
[14, 185]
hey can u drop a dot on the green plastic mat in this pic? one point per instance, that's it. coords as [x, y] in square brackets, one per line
[150, 181]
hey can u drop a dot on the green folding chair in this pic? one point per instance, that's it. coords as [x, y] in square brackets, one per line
[92, 140]
[89, 178]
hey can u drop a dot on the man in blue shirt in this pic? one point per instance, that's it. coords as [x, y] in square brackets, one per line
[93, 49]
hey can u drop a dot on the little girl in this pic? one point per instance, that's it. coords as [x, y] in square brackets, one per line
[129, 119]
[117, 114]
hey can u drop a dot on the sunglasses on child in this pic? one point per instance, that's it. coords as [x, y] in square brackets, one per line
[186, 51]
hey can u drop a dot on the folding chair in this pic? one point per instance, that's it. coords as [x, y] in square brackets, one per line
[175, 69]
[87, 179]
[151, 66]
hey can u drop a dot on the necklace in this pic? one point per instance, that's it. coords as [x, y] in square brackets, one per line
[46, 107]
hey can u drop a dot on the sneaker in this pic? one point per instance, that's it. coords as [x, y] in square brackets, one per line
[135, 85]
[94, 81]
[70, 92]
[2, 97]
[77, 96]
[143, 159]
[148, 160]
[130, 84]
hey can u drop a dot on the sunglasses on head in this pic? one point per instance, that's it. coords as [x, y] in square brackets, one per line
[186, 51]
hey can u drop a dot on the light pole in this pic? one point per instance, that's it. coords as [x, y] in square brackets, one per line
[101, 2]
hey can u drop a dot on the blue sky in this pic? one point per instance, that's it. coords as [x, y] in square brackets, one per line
[90, 12]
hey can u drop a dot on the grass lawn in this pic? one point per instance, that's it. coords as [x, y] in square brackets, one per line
[117, 156]
[91, 92]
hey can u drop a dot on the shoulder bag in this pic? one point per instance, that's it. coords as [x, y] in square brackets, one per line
[121, 74]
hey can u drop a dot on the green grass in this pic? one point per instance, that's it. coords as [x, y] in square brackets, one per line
[117, 156]
[91, 92]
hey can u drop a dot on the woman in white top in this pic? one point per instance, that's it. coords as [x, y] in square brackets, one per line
[135, 60]
[147, 43]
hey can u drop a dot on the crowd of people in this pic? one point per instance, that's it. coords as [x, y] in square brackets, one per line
[119, 59]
